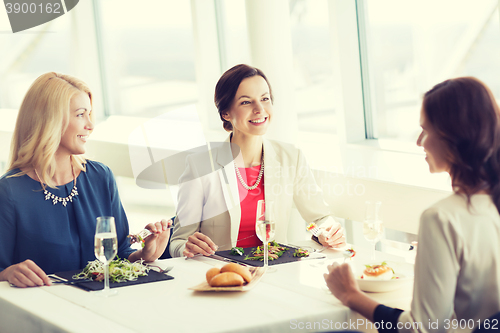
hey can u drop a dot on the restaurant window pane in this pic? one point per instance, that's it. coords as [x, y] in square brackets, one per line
[313, 64]
[412, 46]
[235, 34]
[30, 53]
[149, 56]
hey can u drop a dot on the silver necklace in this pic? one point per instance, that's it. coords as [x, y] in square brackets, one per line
[55, 199]
[257, 182]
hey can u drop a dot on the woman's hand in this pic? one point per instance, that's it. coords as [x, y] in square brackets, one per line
[341, 282]
[333, 236]
[199, 243]
[155, 244]
[25, 274]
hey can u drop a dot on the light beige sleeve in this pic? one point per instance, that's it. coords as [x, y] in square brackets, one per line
[436, 271]
[189, 209]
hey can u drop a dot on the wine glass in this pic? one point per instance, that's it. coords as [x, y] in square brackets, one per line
[265, 226]
[373, 228]
[106, 248]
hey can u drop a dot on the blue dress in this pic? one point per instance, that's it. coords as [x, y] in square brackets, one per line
[55, 237]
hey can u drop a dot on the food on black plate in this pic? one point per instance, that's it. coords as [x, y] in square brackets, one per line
[300, 253]
[237, 251]
[120, 270]
[275, 251]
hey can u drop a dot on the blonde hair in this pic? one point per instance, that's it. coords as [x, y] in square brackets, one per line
[42, 120]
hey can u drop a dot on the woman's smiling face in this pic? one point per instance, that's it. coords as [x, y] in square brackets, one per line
[252, 108]
[79, 126]
[434, 146]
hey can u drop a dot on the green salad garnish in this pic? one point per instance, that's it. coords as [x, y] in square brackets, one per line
[275, 251]
[299, 253]
[237, 251]
[120, 270]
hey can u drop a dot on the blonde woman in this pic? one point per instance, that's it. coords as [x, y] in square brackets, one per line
[51, 195]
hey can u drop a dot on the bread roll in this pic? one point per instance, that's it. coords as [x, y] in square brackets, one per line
[241, 270]
[211, 273]
[226, 279]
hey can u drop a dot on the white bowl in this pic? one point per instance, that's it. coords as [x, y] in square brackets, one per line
[403, 274]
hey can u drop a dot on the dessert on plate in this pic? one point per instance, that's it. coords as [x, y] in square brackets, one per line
[378, 272]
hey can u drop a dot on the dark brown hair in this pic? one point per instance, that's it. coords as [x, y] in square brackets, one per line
[228, 84]
[465, 114]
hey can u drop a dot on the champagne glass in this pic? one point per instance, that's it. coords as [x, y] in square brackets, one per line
[265, 226]
[373, 228]
[106, 248]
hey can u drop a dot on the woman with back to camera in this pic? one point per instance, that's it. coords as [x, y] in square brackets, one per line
[457, 268]
[218, 209]
[51, 194]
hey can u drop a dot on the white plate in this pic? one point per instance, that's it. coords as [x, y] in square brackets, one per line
[380, 286]
[402, 272]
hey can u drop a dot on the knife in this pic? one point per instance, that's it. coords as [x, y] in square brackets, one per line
[217, 257]
[71, 282]
[60, 282]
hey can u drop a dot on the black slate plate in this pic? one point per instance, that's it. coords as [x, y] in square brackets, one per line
[95, 285]
[285, 258]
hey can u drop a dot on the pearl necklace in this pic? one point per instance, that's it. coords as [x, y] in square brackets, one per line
[55, 199]
[257, 182]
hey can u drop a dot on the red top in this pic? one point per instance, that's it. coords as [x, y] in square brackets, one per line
[248, 203]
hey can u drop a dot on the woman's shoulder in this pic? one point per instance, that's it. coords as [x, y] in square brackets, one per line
[11, 184]
[283, 150]
[457, 202]
[456, 206]
[282, 146]
[450, 204]
[97, 169]
[6, 176]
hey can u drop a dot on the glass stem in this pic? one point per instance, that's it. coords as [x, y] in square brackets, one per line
[106, 276]
[266, 254]
[374, 251]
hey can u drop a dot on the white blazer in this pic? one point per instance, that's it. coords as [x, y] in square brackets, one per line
[209, 202]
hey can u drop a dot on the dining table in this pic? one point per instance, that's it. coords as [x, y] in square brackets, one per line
[292, 298]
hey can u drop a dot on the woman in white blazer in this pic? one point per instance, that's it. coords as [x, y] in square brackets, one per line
[219, 189]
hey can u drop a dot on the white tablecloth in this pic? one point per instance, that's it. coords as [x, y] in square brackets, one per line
[292, 299]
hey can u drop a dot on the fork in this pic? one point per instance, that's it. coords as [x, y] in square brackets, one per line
[312, 227]
[166, 270]
[161, 270]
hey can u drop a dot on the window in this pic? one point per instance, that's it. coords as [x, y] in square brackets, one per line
[42, 49]
[411, 46]
[148, 51]
[312, 65]
[233, 33]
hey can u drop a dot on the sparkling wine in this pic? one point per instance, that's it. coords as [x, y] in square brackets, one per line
[106, 246]
[265, 230]
[373, 230]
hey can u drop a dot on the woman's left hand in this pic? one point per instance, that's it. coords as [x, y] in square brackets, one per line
[333, 236]
[341, 282]
[155, 245]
